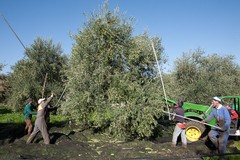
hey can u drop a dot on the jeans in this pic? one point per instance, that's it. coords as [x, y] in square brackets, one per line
[176, 133]
[219, 139]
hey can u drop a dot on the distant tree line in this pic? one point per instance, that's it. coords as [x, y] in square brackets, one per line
[112, 79]
[196, 77]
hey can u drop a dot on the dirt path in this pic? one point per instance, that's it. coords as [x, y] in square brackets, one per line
[71, 144]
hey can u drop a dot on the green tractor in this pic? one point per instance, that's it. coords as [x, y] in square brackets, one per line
[194, 113]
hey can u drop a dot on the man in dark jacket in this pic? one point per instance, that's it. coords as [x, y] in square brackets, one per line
[180, 125]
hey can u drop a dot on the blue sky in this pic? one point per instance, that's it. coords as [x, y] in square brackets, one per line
[183, 25]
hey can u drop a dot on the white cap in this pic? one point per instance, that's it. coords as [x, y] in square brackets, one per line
[40, 100]
[217, 99]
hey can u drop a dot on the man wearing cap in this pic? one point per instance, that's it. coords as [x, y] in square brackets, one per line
[40, 123]
[27, 114]
[219, 137]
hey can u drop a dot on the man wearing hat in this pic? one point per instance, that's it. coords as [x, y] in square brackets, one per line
[219, 137]
[40, 123]
[27, 114]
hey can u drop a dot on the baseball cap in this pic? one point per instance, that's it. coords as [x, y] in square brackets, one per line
[217, 99]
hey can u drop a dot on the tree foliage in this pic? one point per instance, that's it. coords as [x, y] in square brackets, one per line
[201, 77]
[111, 83]
[1, 66]
[29, 73]
[3, 85]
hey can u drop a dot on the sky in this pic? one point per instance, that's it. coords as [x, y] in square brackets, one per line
[182, 25]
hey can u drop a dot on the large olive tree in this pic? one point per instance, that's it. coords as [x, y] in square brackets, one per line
[111, 79]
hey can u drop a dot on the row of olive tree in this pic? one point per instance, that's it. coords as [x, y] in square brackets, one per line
[112, 81]
[111, 77]
[197, 77]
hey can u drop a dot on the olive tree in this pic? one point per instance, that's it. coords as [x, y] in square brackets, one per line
[3, 85]
[112, 77]
[27, 80]
[201, 77]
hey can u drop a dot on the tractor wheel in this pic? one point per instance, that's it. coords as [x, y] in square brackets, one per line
[194, 131]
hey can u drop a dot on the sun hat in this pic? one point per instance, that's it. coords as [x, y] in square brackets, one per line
[40, 100]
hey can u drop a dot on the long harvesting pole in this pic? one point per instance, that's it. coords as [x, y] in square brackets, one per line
[191, 119]
[13, 32]
[61, 96]
[159, 70]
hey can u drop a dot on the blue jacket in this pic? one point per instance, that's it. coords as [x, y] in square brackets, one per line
[220, 114]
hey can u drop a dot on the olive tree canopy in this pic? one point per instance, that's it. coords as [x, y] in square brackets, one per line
[112, 77]
[41, 58]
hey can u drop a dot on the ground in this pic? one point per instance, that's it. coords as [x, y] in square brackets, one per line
[70, 144]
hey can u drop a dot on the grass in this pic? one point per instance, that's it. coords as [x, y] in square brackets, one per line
[11, 117]
[57, 118]
[7, 116]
